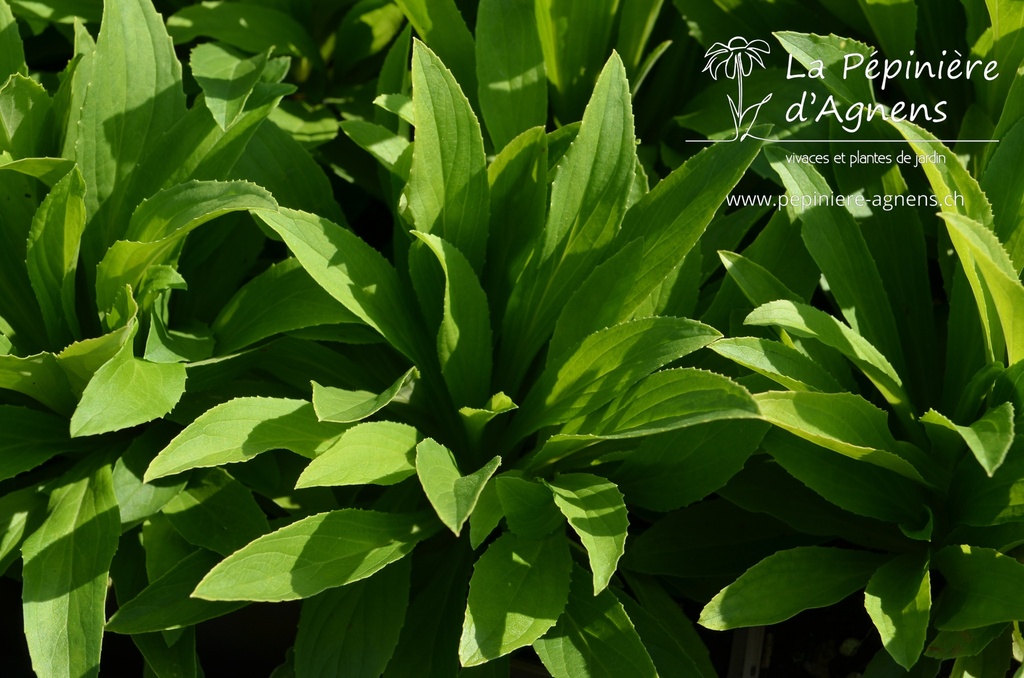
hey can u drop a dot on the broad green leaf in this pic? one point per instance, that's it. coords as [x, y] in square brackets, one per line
[159, 224]
[376, 452]
[21, 512]
[448, 192]
[242, 428]
[487, 514]
[898, 598]
[510, 69]
[979, 499]
[247, 26]
[52, 254]
[345, 407]
[1005, 48]
[597, 513]
[452, 495]
[894, 23]
[805, 321]
[138, 500]
[603, 366]
[353, 630]
[12, 52]
[26, 124]
[575, 36]
[667, 400]
[997, 290]
[589, 196]
[841, 422]
[367, 29]
[758, 284]
[440, 24]
[673, 216]
[593, 637]
[398, 104]
[314, 554]
[671, 640]
[165, 603]
[477, 418]
[832, 51]
[518, 591]
[65, 576]
[281, 299]
[141, 102]
[59, 11]
[811, 576]
[528, 507]
[863, 489]
[950, 644]
[636, 23]
[126, 392]
[30, 439]
[377, 140]
[671, 470]
[989, 438]
[464, 337]
[352, 272]
[1003, 183]
[47, 170]
[40, 377]
[599, 301]
[519, 201]
[81, 359]
[835, 241]
[227, 79]
[983, 587]
[780, 363]
[993, 661]
[216, 512]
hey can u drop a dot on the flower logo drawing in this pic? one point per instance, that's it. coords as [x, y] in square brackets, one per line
[736, 60]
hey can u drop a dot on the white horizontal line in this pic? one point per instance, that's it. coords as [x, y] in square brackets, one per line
[850, 141]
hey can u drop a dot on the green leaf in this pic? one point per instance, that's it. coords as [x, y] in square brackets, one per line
[353, 631]
[477, 418]
[597, 513]
[26, 121]
[1003, 184]
[138, 500]
[377, 452]
[21, 513]
[780, 363]
[671, 470]
[589, 195]
[671, 640]
[593, 637]
[377, 140]
[165, 603]
[674, 215]
[997, 289]
[52, 255]
[670, 399]
[983, 587]
[835, 241]
[216, 512]
[440, 24]
[978, 499]
[510, 69]
[159, 224]
[452, 495]
[603, 366]
[841, 422]
[575, 37]
[30, 439]
[281, 299]
[346, 407]
[314, 554]
[352, 272]
[518, 590]
[528, 506]
[142, 102]
[249, 27]
[448, 192]
[758, 284]
[12, 52]
[464, 337]
[487, 514]
[227, 79]
[242, 428]
[950, 644]
[805, 321]
[898, 598]
[367, 29]
[810, 576]
[831, 50]
[126, 392]
[67, 561]
[989, 438]
[40, 377]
